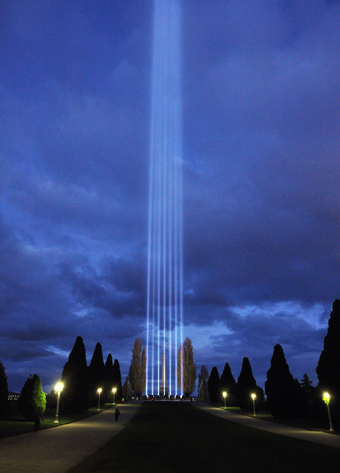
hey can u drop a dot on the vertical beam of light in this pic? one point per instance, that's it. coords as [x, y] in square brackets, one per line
[165, 227]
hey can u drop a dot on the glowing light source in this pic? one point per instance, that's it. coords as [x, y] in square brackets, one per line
[114, 395]
[327, 398]
[58, 388]
[253, 396]
[165, 254]
[99, 390]
[225, 399]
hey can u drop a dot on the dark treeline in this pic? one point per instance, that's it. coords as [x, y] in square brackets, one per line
[286, 397]
[80, 381]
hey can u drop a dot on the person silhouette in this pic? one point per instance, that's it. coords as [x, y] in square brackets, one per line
[117, 413]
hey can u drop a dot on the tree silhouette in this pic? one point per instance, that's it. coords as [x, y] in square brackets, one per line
[203, 393]
[137, 371]
[228, 384]
[214, 386]
[328, 369]
[284, 394]
[186, 368]
[32, 398]
[97, 374]
[76, 379]
[246, 386]
[117, 379]
[3, 391]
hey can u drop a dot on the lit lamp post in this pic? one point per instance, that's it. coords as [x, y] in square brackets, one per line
[253, 396]
[225, 397]
[326, 398]
[58, 388]
[99, 390]
[114, 395]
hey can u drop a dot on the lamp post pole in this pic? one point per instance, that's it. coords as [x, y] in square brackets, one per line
[225, 397]
[253, 396]
[58, 387]
[99, 390]
[327, 398]
[114, 395]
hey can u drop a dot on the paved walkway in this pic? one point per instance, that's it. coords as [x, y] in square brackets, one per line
[325, 438]
[58, 449]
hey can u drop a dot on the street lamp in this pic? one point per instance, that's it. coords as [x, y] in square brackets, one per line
[225, 397]
[114, 395]
[326, 398]
[58, 388]
[99, 390]
[253, 396]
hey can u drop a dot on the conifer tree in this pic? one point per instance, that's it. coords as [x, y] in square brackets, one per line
[137, 371]
[109, 380]
[76, 379]
[328, 369]
[3, 391]
[97, 373]
[127, 390]
[186, 368]
[246, 386]
[284, 394]
[307, 386]
[228, 384]
[214, 390]
[117, 379]
[203, 393]
[32, 397]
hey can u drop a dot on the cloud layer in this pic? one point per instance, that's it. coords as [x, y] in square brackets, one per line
[261, 172]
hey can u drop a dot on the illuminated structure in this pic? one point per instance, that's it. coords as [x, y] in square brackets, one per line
[165, 267]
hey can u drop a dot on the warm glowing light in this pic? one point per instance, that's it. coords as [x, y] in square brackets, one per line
[253, 396]
[114, 390]
[99, 390]
[59, 387]
[224, 394]
[326, 397]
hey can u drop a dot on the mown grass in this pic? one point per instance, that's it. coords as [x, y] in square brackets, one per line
[16, 424]
[171, 437]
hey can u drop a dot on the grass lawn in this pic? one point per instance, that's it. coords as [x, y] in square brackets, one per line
[16, 424]
[170, 437]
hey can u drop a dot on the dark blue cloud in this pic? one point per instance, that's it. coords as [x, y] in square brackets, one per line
[261, 197]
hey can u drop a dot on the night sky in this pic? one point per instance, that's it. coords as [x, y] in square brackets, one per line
[261, 144]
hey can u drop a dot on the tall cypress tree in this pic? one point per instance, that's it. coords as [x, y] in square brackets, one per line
[284, 394]
[214, 386]
[97, 374]
[109, 383]
[328, 369]
[3, 391]
[75, 377]
[117, 379]
[228, 384]
[246, 386]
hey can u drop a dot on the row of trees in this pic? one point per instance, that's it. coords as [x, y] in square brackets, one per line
[211, 387]
[286, 396]
[81, 381]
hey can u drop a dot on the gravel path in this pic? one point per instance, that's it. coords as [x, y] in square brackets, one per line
[325, 438]
[58, 449]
